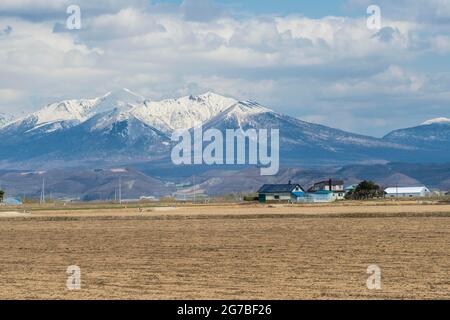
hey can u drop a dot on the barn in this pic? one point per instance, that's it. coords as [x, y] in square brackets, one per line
[407, 192]
[280, 192]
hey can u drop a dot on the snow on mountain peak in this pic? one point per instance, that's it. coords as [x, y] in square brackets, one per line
[68, 110]
[239, 115]
[122, 99]
[166, 115]
[243, 109]
[436, 120]
[107, 119]
[250, 107]
[66, 113]
[182, 113]
[5, 119]
[123, 94]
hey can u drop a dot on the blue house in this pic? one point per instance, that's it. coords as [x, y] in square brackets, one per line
[317, 197]
[280, 192]
[323, 189]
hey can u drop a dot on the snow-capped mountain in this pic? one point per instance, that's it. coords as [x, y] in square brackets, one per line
[166, 115]
[123, 99]
[68, 113]
[302, 141]
[54, 117]
[433, 134]
[239, 115]
[5, 119]
[436, 120]
[182, 113]
[122, 127]
[121, 123]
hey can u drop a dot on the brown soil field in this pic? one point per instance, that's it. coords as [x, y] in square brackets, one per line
[228, 252]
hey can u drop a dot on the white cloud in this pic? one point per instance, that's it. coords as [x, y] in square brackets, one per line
[317, 68]
[126, 23]
[441, 44]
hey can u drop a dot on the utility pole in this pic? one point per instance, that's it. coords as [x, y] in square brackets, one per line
[195, 191]
[120, 190]
[43, 191]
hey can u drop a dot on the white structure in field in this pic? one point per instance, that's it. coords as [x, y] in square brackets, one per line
[407, 192]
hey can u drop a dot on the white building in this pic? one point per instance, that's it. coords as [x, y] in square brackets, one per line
[407, 192]
[335, 187]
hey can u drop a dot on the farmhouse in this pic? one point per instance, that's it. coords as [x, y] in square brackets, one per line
[328, 190]
[280, 192]
[407, 192]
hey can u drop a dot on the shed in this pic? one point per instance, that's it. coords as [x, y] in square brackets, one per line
[12, 202]
[407, 192]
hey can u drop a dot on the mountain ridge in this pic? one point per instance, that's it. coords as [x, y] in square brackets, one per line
[123, 126]
[431, 135]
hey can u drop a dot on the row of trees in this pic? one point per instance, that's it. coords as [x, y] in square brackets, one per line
[365, 190]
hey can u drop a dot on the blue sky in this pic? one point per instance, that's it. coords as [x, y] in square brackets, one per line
[315, 60]
[313, 9]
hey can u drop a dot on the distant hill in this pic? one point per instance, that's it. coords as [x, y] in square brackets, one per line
[102, 184]
[96, 184]
[401, 174]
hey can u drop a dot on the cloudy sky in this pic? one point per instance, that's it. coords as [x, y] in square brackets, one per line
[315, 60]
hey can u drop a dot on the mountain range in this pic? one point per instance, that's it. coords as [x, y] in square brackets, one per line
[123, 128]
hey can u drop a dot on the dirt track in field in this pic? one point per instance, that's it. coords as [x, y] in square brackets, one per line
[228, 252]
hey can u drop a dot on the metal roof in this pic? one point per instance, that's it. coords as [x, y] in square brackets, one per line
[279, 188]
[334, 182]
[322, 192]
[395, 190]
[12, 201]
